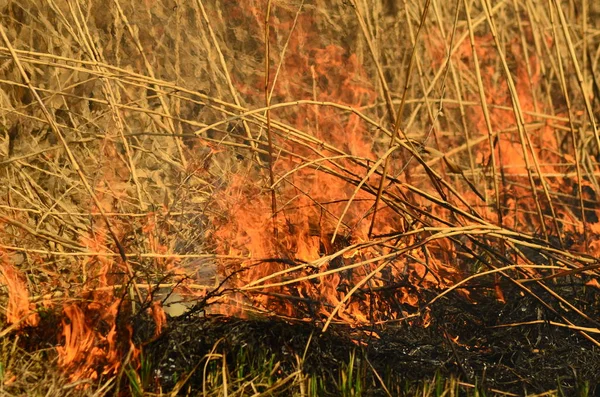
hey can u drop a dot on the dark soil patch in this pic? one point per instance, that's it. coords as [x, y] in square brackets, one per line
[463, 340]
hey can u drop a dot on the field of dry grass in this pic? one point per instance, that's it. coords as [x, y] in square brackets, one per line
[156, 146]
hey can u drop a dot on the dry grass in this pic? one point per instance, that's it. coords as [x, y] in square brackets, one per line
[147, 144]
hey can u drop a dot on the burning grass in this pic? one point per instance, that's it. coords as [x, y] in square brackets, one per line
[351, 169]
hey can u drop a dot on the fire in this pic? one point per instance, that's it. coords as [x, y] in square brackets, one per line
[319, 254]
[96, 336]
[88, 350]
[18, 311]
[314, 258]
[307, 260]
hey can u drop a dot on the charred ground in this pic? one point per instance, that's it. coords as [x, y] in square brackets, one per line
[483, 343]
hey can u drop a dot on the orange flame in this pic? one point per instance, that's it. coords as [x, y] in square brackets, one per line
[96, 336]
[295, 266]
[19, 310]
[88, 350]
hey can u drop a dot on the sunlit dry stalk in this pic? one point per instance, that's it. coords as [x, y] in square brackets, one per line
[312, 164]
[284, 381]
[526, 144]
[364, 180]
[434, 233]
[170, 88]
[434, 177]
[218, 103]
[459, 84]
[439, 74]
[208, 358]
[584, 92]
[92, 213]
[306, 139]
[87, 42]
[502, 271]
[184, 380]
[321, 262]
[397, 130]
[497, 392]
[433, 116]
[71, 157]
[379, 378]
[274, 212]
[370, 43]
[522, 240]
[585, 9]
[257, 113]
[588, 269]
[533, 322]
[268, 96]
[111, 71]
[150, 71]
[483, 102]
[566, 303]
[525, 49]
[545, 116]
[563, 85]
[114, 255]
[23, 171]
[226, 72]
[284, 49]
[482, 274]
[34, 154]
[562, 300]
[355, 288]
[42, 233]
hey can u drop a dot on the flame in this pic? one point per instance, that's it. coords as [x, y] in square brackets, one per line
[159, 316]
[92, 343]
[314, 258]
[95, 335]
[19, 310]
